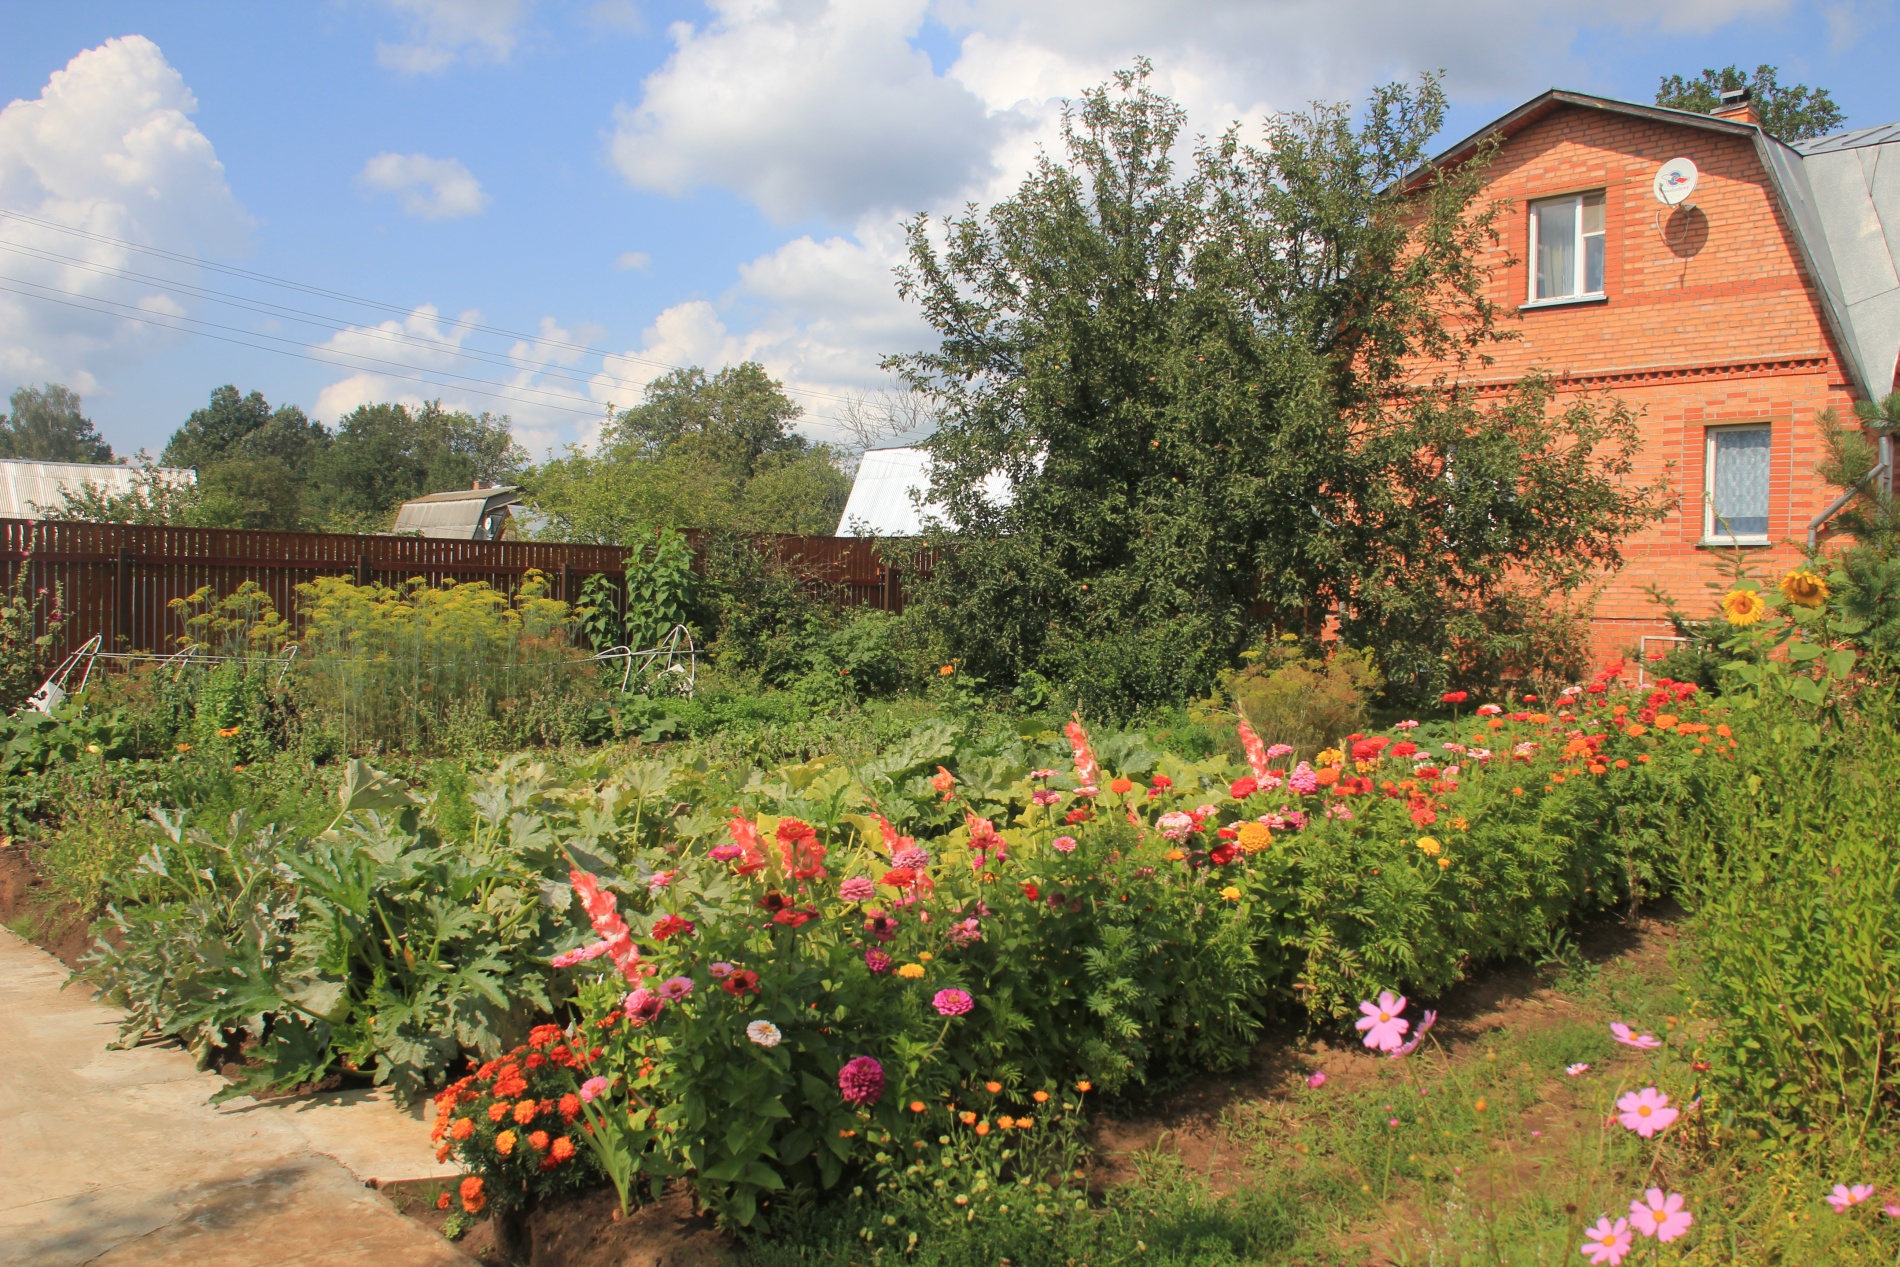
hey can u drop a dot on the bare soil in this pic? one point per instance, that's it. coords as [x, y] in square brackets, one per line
[583, 1230]
[29, 906]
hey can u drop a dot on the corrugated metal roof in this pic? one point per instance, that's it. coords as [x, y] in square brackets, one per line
[1880, 134]
[30, 489]
[882, 502]
[466, 514]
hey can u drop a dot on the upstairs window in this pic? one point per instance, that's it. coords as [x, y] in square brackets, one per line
[1567, 248]
[1736, 491]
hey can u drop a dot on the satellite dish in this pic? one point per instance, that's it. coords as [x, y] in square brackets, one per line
[1675, 181]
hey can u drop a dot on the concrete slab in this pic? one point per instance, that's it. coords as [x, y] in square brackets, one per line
[117, 1157]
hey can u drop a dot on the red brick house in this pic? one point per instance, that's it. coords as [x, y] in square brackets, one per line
[1729, 322]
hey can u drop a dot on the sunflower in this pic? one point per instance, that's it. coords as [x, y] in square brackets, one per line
[1804, 589]
[1743, 607]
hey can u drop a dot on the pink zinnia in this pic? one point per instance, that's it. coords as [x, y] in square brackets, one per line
[1645, 1112]
[1607, 1242]
[1304, 780]
[861, 1081]
[1279, 750]
[1622, 1034]
[725, 853]
[1045, 796]
[643, 1005]
[877, 961]
[1175, 825]
[857, 889]
[1381, 1023]
[952, 1003]
[1659, 1216]
[1063, 844]
[592, 1088]
[1844, 1198]
[675, 988]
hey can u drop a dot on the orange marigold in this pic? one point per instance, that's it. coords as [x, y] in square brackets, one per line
[462, 1129]
[524, 1112]
[561, 1149]
[538, 1141]
[498, 1110]
[473, 1198]
[505, 1143]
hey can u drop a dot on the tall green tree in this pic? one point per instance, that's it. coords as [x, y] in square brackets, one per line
[1226, 397]
[252, 461]
[701, 451]
[1794, 112]
[382, 455]
[45, 425]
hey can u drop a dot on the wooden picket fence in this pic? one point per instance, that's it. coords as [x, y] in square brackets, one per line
[119, 580]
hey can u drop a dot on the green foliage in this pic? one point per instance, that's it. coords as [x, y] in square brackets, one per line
[1193, 381]
[655, 594]
[382, 455]
[713, 452]
[1795, 112]
[46, 426]
[1791, 871]
[1869, 569]
[30, 622]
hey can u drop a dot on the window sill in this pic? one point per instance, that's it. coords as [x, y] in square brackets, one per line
[1565, 301]
[1732, 543]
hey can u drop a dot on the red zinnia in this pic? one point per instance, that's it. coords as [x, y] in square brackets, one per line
[670, 926]
[1242, 788]
[1030, 891]
[1454, 697]
[743, 981]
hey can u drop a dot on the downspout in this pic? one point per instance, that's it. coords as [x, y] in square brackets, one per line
[1882, 469]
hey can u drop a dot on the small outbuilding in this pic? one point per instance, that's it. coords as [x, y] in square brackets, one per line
[469, 514]
[29, 489]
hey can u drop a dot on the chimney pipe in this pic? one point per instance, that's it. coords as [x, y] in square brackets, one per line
[1738, 106]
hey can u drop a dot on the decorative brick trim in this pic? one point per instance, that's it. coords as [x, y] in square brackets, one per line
[1638, 376]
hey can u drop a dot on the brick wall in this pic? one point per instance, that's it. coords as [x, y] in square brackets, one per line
[1709, 319]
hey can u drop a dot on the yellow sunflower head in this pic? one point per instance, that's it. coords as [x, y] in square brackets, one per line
[1742, 607]
[1803, 588]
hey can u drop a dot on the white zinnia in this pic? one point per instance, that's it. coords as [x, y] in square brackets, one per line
[764, 1033]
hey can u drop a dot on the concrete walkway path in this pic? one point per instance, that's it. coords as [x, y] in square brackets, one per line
[115, 1158]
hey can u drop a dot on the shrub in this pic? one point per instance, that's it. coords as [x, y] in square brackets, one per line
[1305, 700]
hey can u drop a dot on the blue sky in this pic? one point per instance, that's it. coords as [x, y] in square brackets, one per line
[659, 183]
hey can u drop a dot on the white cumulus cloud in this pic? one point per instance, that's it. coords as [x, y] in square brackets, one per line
[108, 149]
[431, 188]
[805, 106]
[443, 32]
[633, 260]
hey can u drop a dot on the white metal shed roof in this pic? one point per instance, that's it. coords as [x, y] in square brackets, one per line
[881, 502]
[29, 489]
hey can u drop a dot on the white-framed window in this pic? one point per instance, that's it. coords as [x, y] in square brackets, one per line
[1735, 486]
[1567, 247]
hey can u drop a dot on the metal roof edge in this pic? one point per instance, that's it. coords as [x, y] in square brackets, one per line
[1787, 174]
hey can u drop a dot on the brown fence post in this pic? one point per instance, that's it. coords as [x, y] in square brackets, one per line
[122, 608]
[362, 570]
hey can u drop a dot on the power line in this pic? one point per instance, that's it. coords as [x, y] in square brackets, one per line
[204, 334]
[288, 284]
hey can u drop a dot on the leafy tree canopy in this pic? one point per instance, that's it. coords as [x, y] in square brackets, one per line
[382, 455]
[1225, 395]
[702, 451]
[1792, 113]
[46, 426]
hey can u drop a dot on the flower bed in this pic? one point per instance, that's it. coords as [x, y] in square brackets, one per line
[798, 989]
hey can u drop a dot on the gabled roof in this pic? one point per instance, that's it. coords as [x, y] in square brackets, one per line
[464, 514]
[1863, 308]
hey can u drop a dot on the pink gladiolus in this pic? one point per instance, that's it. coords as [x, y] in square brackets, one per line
[1316, 1081]
[1645, 1112]
[1844, 1198]
[1607, 1243]
[1256, 751]
[591, 1089]
[1622, 1034]
[568, 958]
[613, 930]
[746, 836]
[1088, 771]
[1381, 1023]
[1659, 1216]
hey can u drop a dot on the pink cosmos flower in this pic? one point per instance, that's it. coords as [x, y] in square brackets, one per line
[1622, 1034]
[1381, 1023]
[592, 1088]
[952, 1002]
[1844, 1198]
[1891, 1211]
[861, 1081]
[859, 888]
[1316, 1081]
[1607, 1243]
[1063, 844]
[1645, 1112]
[1304, 780]
[1411, 1044]
[1659, 1216]
[1579, 1068]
